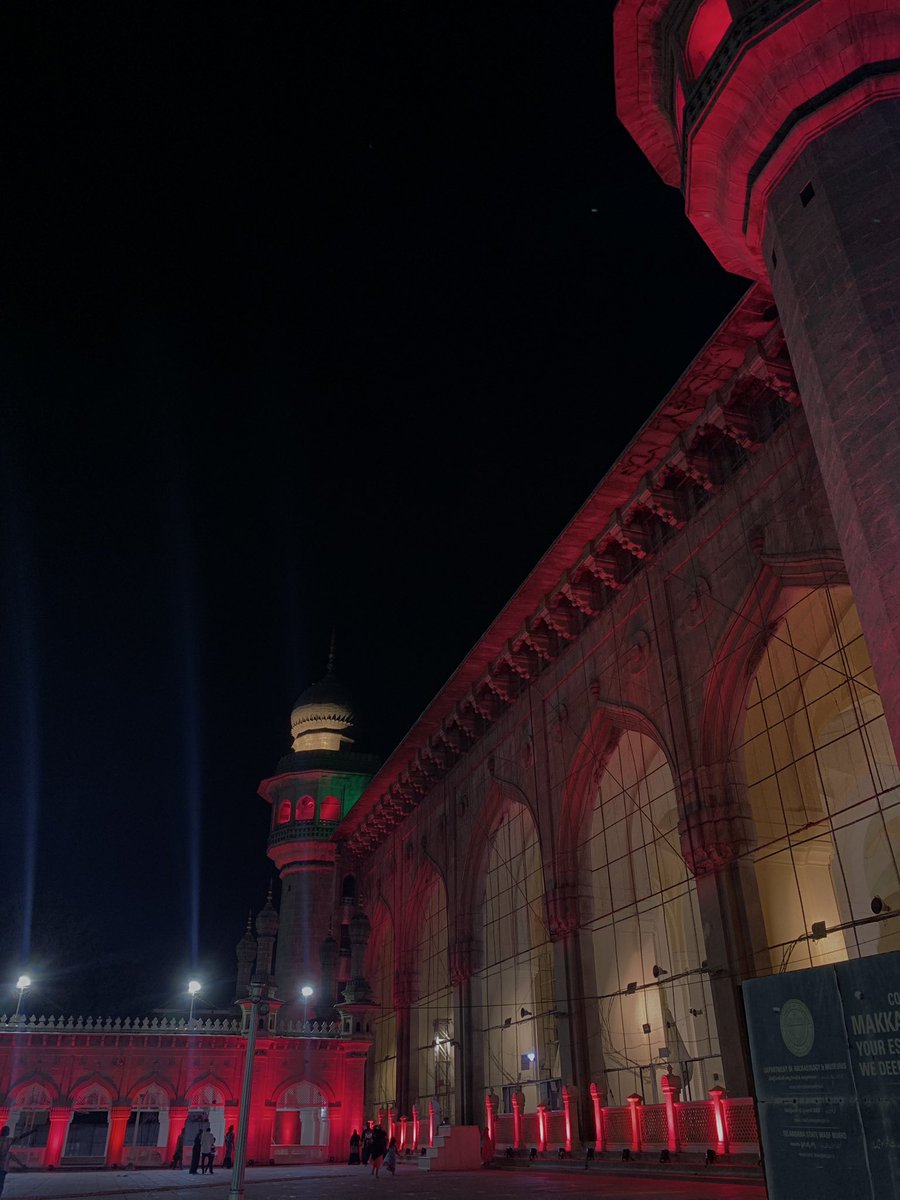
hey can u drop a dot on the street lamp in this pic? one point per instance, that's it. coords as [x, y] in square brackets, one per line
[193, 989]
[254, 1009]
[23, 983]
[306, 991]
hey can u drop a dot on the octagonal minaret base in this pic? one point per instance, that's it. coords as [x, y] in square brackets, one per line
[832, 247]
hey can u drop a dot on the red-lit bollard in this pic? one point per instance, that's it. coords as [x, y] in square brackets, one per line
[634, 1103]
[671, 1086]
[717, 1096]
[567, 1109]
[597, 1098]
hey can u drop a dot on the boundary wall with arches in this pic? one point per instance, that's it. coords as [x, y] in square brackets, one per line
[112, 1099]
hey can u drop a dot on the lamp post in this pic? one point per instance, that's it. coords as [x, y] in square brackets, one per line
[23, 983]
[532, 1058]
[306, 991]
[193, 989]
[240, 1146]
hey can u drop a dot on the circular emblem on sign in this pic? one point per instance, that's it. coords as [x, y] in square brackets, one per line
[798, 1029]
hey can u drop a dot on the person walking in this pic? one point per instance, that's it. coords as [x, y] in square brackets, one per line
[5, 1143]
[178, 1156]
[390, 1159]
[367, 1143]
[195, 1154]
[353, 1160]
[379, 1146]
[229, 1148]
[207, 1150]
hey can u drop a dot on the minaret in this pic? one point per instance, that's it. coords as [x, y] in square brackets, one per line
[780, 122]
[246, 957]
[266, 933]
[315, 787]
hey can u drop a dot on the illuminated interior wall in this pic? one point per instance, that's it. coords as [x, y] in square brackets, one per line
[431, 1016]
[301, 1117]
[29, 1117]
[646, 915]
[823, 784]
[517, 972]
[380, 973]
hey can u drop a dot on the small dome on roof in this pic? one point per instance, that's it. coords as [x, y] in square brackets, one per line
[321, 715]
[328, 691]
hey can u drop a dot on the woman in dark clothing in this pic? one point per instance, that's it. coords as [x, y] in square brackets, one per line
[353, 1160]
[366, 1143]
[195, 1155]
[379, 1145]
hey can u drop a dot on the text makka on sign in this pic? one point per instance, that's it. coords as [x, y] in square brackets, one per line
[825, 1045]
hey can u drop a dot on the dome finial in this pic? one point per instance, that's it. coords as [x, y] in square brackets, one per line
[331, 652]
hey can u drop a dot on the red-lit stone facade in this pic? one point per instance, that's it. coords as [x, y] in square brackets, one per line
[92, 1094]
[674, 751]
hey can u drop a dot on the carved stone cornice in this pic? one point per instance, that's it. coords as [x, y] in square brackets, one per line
[726, 405]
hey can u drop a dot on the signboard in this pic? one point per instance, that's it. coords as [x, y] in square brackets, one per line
[825, 1046]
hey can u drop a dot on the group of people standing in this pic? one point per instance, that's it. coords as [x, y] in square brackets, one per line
[203, 1151]
[373, 1146]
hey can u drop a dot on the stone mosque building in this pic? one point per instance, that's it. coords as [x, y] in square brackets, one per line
[670, 764]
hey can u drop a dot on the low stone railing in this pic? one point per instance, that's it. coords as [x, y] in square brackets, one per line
[59, 1024]
[727, 1126]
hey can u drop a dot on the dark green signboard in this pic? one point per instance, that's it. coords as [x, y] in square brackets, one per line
[825, 1045]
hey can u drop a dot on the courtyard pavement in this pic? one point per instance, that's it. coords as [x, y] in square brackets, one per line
[345, 1183]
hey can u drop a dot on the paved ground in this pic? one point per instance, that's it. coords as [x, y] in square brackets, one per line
[346, 1183]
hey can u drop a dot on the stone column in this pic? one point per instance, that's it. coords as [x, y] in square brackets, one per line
[832, 249]
[56, 1138]
[518, 1107]
[177, 1120]
[462, 959]
[231, 1118]
[568, 1107]
[115, 1143]
[634, 1104]
[597, 1099]
[671, 1087]
[404, 996]
[542, 1127]
[490, 1114]
[717, 840]
[579, 1020]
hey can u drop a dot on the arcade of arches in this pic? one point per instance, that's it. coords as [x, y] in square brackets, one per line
[670, 775]
[589, 948]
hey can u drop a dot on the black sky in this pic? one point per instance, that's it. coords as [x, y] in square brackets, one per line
[309, 320]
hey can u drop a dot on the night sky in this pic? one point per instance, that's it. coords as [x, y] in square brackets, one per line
[313, 316]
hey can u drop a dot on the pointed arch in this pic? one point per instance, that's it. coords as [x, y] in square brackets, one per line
[599, 740]
[744, 642]
[94, 1080]
[381, 919]
[427, 877]
[154, 1079]
[494, 807]
[30, 1080]
[290, 1081]
[209, 1080]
